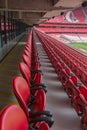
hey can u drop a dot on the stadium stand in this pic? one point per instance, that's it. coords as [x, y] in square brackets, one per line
[61, 54]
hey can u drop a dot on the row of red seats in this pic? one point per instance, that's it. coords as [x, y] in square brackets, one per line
[64, 30]
[67, 24]
[30, 93]
[72, 57]
[75, 89]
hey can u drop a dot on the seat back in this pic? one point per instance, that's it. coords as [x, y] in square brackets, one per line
[38, 78]
[40, 101]
[22, 92]
[62, 64]
[35, 66]
[67, 70]
[12, 117]
[26, 60]
[25, 71]
[44, 126]
[74, 79]
[27, 47]
[83, 91]
[27, 53]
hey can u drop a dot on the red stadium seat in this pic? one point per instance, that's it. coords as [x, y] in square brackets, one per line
[64, 75]
[80, 99]
[72, 82]
[35, 107]
[35, 80]
[25, 72]
[12, 117]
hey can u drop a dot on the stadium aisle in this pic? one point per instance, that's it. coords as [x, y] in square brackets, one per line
[9, 69]
[58, 102]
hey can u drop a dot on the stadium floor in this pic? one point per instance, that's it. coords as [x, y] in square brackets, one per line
[9, 69]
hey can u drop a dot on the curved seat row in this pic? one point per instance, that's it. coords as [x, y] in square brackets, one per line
[63, 59]
[64, 30]
[30, 92]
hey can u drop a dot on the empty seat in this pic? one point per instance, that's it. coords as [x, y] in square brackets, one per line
[80, 99]
[32, 108]
[12, 117]
[35, 80]
[71, 82]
